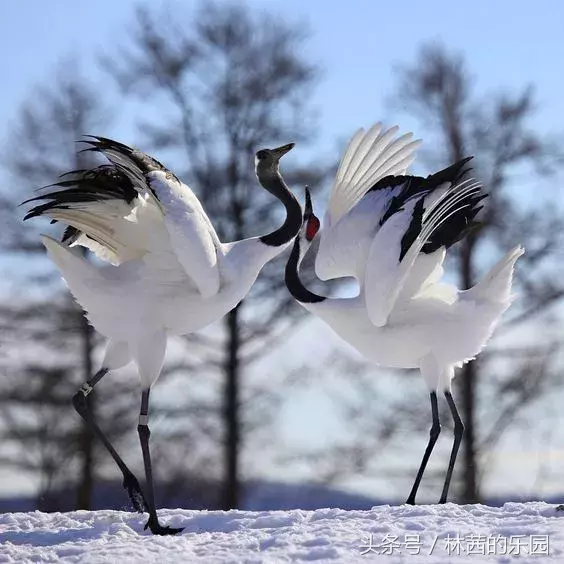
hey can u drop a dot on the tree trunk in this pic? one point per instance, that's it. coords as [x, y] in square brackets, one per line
[86, 481]
[467, 385]
[231, 416]
[85, 485]
[466, 381]
[231, 413]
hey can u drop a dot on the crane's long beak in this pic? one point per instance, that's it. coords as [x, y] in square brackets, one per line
[281, 151]
[308, 209]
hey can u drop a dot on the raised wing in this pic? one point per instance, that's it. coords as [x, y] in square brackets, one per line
[344, 247]
[426, 224]
[192, 237]
[104, 212]
[370, 156]
[131, 207]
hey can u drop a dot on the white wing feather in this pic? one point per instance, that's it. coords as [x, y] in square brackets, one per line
[114, 230]
[343, 248]
[192, 237]
[369, 156]
[174, 224]
[382, 266]
[427, 270]
[105, 231]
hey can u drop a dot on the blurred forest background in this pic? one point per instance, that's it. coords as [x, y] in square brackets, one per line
[268, 409]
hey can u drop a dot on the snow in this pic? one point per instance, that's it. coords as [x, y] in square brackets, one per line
[435, 533]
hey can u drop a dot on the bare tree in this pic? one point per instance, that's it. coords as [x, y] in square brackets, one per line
[224, 83]
[39, 426]
[438, 90]
[519, 368]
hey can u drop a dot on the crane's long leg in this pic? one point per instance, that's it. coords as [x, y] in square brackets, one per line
[130, 482]
[433, 436]
[144, 434]
[458, 432]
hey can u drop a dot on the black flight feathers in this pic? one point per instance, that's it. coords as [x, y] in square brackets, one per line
[128, 159]
[122, 179]
[455, 227]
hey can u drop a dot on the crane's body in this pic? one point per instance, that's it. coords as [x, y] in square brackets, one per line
[392, 237]
[154, 294]
[162, 269]
[442, 323]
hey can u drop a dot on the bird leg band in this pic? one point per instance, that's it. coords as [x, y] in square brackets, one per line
[86, 388]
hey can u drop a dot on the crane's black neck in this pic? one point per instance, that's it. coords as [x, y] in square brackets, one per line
[275, 184]
[293, 282]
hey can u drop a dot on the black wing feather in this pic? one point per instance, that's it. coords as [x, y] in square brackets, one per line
[104, 182]
[123, 179]
[455, 227]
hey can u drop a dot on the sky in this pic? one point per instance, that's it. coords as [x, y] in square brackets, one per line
[358, 43]
[507, 44]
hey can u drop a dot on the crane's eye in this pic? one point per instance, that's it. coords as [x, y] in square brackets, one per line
[312, 227]
[261, 154]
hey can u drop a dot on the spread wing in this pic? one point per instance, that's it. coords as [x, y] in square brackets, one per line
[370, 156]
[131, 207]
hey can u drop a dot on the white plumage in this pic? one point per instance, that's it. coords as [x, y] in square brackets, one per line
[352, 214]
[386, 278]
[155, 293]
[168, 273]
[369, 156]
[192, 236]
[165, 271]
[394, 241]
[450, 325]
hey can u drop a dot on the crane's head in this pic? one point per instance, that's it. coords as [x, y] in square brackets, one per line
[308, 231]
[311, 223]
[266, 160]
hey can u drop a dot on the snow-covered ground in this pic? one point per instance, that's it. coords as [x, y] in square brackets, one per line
[516, 532]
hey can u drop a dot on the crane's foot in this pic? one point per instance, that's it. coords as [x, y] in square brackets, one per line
[158, 529]
[560, 508]
[131, 484]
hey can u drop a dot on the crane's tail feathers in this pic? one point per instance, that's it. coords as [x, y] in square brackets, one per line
[495, 286]
[83, 278]
[369, 156]
[446, 219]
[458, 202]
[452, 215]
